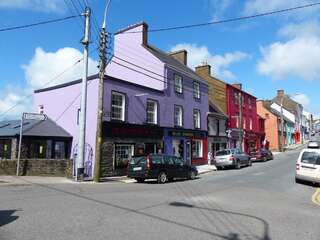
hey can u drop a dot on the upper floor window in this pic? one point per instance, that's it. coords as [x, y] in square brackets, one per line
[152, 112]
[235, 97]
[178, 116]
[237, 120]
[250, 124]
[196, 118]
[244, 123]
[196, 90]
[249, 102]
[118, 103]
[178, 83]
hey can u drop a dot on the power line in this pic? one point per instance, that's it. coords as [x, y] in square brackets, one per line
[38, 23]
[228, 20]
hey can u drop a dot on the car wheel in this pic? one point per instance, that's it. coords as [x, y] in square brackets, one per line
[192, 175]
[264, 159]
[162, 177]
[238, 166]
[249, 163]
[140, 180]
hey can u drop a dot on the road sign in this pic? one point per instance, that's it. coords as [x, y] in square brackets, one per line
[34, 116]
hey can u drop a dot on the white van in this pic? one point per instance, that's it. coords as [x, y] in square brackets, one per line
[308, 166]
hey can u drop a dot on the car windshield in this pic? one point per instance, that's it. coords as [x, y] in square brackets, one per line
[138, 160]
[223, 152]
[311, 158]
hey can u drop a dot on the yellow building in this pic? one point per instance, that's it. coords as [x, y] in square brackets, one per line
[217, 88]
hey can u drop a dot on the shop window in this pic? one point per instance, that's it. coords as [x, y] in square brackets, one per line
[196, 90]
[123, 153]
[196, 118]
[118, 106]
[197, 149]
[178, 116]
[178, 84]
[59, 150]
[152, 111]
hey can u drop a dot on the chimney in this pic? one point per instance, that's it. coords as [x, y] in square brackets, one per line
[237, 85]
[280, 93]
[145, 33]
[181, 56]
[204, 70]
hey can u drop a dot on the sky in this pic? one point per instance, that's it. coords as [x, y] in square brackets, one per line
[264, 54]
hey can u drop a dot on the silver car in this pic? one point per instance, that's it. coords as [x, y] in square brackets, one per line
[231, 158]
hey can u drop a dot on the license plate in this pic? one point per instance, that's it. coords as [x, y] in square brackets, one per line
[137, 168]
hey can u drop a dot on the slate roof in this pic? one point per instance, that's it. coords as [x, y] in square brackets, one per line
[173, 63]
[288, 103]
[267, 105]
[47, 128]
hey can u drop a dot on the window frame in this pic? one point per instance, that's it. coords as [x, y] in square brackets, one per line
[174, 115]
[200, 149]
[178, 88]
[155, 111]
[199, 118]
[196, 91]
[124, 105]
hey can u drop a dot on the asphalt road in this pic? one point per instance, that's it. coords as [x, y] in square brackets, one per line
[260, 202]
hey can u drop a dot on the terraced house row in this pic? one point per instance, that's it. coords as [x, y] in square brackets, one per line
[153, 103]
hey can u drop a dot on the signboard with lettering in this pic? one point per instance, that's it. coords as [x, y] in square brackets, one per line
[34, 116]
[186, 133]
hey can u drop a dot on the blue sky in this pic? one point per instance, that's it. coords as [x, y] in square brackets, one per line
[264, 54]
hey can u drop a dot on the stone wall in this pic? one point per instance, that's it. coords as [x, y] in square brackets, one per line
[38, 167]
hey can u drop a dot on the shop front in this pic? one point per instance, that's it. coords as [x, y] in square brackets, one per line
[252, 141]
[234, 136]
[121, 141]
[191, 145]
[216, 143]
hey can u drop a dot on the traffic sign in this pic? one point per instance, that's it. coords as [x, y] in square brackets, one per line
[34, 116]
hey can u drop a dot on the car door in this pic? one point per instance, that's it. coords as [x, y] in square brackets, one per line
[181, 167]
[240, 156]
[169, 165]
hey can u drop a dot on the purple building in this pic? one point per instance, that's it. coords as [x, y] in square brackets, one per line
[152, 103]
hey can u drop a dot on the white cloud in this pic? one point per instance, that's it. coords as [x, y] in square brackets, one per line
[303, 99]
[35, 5]
[260, 6]
[44, 66]
[299, 56]
[219, 7]
[220, 63]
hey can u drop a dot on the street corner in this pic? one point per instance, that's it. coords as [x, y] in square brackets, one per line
[316, 197]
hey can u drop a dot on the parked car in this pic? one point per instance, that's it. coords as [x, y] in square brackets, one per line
[231, 158]
[161, 167]
[314, 144]
[308, 166]
[261, 154]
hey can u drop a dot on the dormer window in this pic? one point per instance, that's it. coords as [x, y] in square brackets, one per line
[178, 84]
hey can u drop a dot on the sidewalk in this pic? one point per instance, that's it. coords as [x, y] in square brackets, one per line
[28, 180]
[206, 168]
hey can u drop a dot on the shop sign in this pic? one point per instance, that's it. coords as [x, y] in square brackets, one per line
[219, 139]
[187, 134]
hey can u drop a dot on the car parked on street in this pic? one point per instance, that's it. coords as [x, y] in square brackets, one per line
[161, 167]
[231, 158]
[308, 166]
[261, 154]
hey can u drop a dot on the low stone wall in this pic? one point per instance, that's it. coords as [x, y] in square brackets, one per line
[38, 167]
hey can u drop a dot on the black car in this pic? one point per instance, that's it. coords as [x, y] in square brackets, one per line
[161, 167]
[261, 154]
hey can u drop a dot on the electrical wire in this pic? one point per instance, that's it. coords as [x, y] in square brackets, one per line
[228, 20]
[38, 23]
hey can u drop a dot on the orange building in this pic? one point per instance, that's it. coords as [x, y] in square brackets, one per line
[272, 125]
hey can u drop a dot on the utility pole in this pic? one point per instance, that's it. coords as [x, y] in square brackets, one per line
[281, 116]
[102, 69]
[240, 119]
[83, 110]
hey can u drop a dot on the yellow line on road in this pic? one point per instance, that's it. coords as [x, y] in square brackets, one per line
[316, 197]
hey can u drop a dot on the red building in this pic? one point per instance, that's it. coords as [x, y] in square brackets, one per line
[241, 108]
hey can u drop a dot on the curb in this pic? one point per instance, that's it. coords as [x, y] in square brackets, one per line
[316, 197]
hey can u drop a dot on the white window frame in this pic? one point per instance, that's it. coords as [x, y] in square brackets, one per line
[194, 153]
[123, 106]
[244, 122]
[196, 119]
[237, 120]
[178, 86]
[250, 123]
[123, 145]
[196, 90]
[180, 119]
[155, 112]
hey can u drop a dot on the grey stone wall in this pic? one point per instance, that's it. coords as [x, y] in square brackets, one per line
[38, 167]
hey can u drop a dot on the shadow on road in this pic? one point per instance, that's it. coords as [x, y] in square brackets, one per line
[211, 233]
[6, 217]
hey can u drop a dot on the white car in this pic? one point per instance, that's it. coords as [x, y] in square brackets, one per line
[308, 166]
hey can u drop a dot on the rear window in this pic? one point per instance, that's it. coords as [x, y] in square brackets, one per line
[138, 160]
[311, 158]
[156, 159]
[223, 152]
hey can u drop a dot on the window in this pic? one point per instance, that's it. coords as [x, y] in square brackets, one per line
[178, 83]
[152, 112]
[196, 90]
[237, 120]
[178, 112]
[311, 158]
[178, 161]
[235, 96]
[117, 106]
[59, 150]
[123, 153]
[157, 159]
[196, 118]
[249, 102]
[250, 124]
[244, 122]
[5, 148]
[197, 149]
